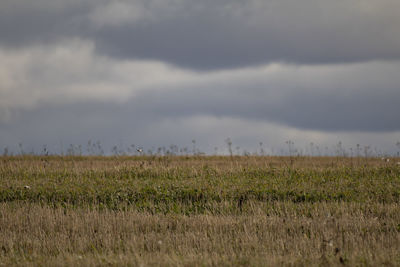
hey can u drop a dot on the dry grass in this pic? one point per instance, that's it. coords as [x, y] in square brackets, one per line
[258, 232]
[272, 233]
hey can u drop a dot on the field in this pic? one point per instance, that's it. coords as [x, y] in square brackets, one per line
[199, 211]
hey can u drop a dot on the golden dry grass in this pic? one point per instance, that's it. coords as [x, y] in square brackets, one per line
[270, 234]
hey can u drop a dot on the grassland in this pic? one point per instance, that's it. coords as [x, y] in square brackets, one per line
[195, 211]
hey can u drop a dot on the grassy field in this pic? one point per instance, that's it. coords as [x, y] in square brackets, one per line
[196, 211]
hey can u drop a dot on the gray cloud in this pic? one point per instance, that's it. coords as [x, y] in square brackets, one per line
[346, 97]
[214, 34]
[331, 98]
[155, 72]
[58, 126]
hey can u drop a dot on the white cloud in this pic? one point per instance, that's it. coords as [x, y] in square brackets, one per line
[118, 13]
[69, 72]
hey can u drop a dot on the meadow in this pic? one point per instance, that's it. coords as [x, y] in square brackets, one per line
[199, 211]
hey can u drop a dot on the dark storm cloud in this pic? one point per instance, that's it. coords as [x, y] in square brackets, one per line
[206, 39]
[213, 34]
[76, 70]
[23, 23]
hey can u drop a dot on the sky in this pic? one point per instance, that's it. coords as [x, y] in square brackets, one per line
[157, 73]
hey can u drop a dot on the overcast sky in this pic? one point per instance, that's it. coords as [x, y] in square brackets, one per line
[160, 72]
